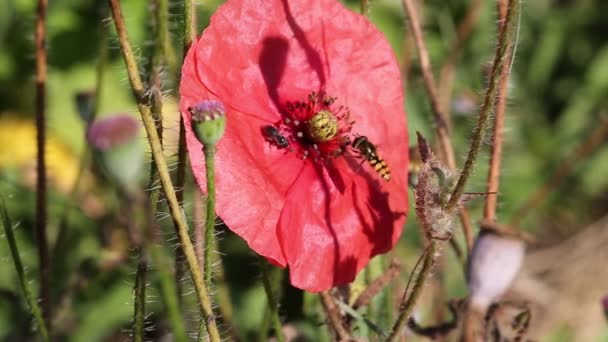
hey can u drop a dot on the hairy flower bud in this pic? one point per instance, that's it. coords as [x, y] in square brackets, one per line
[208, 121]
[493, 265]
[116, 140]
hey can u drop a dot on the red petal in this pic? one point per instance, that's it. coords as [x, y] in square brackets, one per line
[251, 176]
[257, 55]
[329, 234]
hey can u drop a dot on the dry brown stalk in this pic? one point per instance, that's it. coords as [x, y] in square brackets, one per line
[499, 123]
[438, 115]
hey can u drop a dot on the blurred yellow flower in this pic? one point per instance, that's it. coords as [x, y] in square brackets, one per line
[18, 141]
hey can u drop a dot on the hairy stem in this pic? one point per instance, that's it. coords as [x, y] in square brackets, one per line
[271, 285]
[139, 293]
[438, 115]
[493, 181]
[407, 304]
[209, 151]
[41, 184]
[504, 40]
[163, 170]
[12, 244]
[429, 82]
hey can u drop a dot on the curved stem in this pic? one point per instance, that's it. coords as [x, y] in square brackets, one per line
[407, 305]
[163, 171]
[12, 244]
[484, 114]
[209, 151]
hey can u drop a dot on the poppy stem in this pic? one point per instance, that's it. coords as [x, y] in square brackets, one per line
[407, 304]
[209, 151]
[493, 181]
[271, 284]
[41, 184]
[163, 171]
[12, 244]
[439, 117]
[502, 51]
[333, 314]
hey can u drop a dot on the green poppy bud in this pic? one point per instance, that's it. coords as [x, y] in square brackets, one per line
[208, 121]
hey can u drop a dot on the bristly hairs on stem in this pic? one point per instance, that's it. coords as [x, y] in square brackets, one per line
[408, 302]
[493, 180]
[504, 40]
[175, 209]
[41, 184]
[12, 244]
[439, 118]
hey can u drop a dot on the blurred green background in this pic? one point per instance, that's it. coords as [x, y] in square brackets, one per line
[558, 95]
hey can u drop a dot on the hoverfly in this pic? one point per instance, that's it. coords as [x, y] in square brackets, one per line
[368, 151]
[273, 136]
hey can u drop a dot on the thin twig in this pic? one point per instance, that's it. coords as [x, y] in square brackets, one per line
[180, 177]
[565, 168]
[378, 284]
[408, 303]
[163, 170]
[12, 244]
[499, 123]
[333, 314]
[438, 116]
[41, 184]
[504, 40]
[429, 83]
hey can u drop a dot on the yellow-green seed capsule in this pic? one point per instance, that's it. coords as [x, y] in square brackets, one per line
[323, 126]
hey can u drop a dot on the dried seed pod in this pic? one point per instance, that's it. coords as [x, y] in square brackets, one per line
[493, 265]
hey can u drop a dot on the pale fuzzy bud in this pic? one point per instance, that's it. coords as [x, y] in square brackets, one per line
[493, 265]
[119, 148]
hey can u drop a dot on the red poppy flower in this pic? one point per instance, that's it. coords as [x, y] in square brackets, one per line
[301, 80]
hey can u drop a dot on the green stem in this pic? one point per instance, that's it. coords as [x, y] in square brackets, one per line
[209, 151]
[271, 284]
[504, 40]
[407, 305]
[163, 37]
[163, 171]
[12, 244]
[169, 293]
[140, 297]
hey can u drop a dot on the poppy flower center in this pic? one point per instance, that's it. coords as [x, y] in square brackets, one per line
[313, 127]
